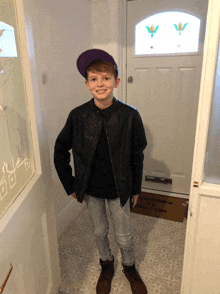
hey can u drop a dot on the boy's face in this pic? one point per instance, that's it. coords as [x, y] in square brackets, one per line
[101, 85]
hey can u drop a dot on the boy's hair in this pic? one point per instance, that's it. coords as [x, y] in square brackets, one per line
[101, 66]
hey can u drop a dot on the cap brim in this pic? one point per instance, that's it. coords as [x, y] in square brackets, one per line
[91, 55]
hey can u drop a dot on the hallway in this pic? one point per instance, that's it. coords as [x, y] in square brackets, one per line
[159, 250]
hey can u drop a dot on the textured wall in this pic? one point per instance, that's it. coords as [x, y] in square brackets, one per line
[61, 31]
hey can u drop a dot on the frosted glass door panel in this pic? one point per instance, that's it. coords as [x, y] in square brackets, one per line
[16, 151]
[212, 165]
[167, 32]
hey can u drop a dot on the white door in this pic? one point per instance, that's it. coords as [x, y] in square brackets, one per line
[28, 237]
[202, 255]
[165, 90]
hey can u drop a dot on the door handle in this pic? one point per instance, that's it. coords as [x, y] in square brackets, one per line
[130, 79]
[6, 279]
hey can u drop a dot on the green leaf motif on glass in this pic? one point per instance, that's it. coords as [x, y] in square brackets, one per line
[180, 27]
[152, 30]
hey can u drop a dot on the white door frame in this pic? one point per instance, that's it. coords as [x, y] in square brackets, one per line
[202, 189]
[122, 64]
[25, 56]
[31, 217]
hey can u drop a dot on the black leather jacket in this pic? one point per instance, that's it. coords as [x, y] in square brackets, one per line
[126, 139]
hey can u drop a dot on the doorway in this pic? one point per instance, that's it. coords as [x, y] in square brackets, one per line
[165, 88]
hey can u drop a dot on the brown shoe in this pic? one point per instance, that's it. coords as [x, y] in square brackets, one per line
[137, 285]
[105, 278]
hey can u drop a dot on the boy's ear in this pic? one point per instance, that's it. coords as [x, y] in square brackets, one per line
[117, 82]
[87, 83]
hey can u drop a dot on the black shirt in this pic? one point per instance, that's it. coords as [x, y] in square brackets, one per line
[101, 183]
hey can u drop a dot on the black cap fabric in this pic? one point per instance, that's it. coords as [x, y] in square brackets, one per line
[91, 55]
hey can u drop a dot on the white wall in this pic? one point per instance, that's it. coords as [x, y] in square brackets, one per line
[61, 31]
[107, 24]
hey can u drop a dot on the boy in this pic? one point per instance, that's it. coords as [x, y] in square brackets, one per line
[107, 139]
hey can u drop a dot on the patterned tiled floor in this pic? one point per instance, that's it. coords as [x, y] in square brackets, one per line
[159, 250]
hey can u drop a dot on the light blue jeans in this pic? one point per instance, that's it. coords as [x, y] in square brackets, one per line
[121, 223]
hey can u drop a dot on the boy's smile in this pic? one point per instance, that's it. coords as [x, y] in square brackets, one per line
[101, 85]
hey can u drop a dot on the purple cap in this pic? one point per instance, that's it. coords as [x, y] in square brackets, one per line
[89, 56]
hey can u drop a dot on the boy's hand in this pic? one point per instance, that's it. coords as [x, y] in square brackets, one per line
[74, 196]
[135, 198]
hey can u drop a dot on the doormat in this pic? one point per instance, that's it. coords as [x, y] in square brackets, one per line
[166, 207]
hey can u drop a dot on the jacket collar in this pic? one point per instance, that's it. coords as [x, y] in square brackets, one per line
[107, 112]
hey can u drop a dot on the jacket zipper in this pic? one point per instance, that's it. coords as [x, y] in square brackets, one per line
[111, 159]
